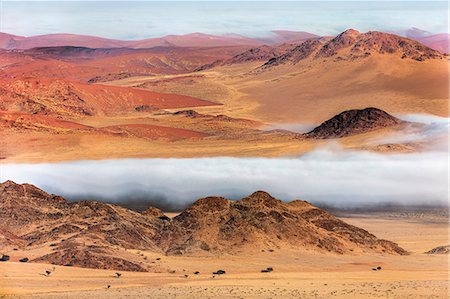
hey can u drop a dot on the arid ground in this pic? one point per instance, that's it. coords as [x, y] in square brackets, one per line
[295, 275]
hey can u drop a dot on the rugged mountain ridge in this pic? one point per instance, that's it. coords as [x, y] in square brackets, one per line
[348, 45]
[261, 222]
[97, 235]
[352, 44]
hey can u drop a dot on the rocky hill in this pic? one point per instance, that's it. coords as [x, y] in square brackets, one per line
[349, 45]
[86, 234]
[47, 228]
[261, 222]
[352, 45]
[352, 122]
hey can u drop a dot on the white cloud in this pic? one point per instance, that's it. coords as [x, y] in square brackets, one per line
[330, 175]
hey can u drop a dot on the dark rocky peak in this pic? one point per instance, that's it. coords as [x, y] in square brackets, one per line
[353, 122]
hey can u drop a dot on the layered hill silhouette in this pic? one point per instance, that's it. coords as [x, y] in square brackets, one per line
[197, 39]
[352, 122]
[9, 41]
[96, 235]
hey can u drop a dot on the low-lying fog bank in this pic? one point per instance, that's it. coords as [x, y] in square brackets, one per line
[330, 177]
[434, 134]
[434, 131]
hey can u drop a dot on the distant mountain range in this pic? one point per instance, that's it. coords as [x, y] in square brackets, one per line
[9, 41]
[439, 42]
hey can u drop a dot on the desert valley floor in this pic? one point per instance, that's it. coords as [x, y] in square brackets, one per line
[295, 275]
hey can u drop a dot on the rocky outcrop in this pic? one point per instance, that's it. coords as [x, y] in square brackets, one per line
[99, 235]
[439, 250]
[352, 122]
[215, 225]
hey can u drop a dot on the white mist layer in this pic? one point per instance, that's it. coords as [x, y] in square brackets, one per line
[327, 176]
[297, 128]
[434, 134]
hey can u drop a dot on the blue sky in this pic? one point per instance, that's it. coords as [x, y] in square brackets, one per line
[142, 19]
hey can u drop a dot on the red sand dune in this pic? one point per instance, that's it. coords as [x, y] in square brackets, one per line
[62, 97]
[15, 119]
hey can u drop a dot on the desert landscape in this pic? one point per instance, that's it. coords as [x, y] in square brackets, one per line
[263, 246]
[230, 164]
[222, 101]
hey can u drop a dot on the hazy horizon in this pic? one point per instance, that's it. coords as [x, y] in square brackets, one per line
[147, 19]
